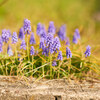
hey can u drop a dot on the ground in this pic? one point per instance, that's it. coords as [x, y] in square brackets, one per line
[18, 88]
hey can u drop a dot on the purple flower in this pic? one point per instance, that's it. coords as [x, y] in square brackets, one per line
[23, 45]
[62, 32]
[51, 28]
[67, 42]
[42, 43]
[1, 44]
[32, 51]
[55, 45]
[21, 34]
[43, 32]
[45, 51]
[60, 57]
[54, 63]
[39, 27]
[32, 40]
[88, 51]
[77, 33]
[49, 40]
[75, 39]
[5, 35]
[68, 53]
[9, 51]
[14, 38]
[27, 26]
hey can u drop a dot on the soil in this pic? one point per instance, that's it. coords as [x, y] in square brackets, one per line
[17, 88]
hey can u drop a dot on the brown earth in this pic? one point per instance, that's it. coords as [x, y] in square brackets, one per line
[14, 88]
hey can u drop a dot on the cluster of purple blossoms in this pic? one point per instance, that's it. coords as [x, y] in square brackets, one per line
[14, 38]
[32, 39]
[88, 51]
[55, 45]
[68, 52]
[39, 28]
[21, 34]
[60, 57]
[5, 35]
[49, 40]
[77, 33]
[45, 51]
[43, 33]
[75, 39]
[32, 51]
[42, 44]
[76, 36]
[54, 63]
[23, 45]
[62, 32]
[1, 44]
[27, 26]
[9, 51]
[51, 28]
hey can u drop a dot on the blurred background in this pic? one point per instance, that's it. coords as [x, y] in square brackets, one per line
[82, 14]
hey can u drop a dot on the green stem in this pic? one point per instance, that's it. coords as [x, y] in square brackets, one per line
[50, 66]
[6, 60]
[27, 48]
[69, 67]
[43, 71]
[32, 64]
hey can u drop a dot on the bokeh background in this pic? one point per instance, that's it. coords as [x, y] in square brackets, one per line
[82, 14]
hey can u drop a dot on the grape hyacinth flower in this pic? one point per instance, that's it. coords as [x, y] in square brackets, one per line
[43, 32]
[32, 51]
[75, 39]
[88, 51]
[23, 45]
[54, 63]
[60, 57]
[51, 28]
[32, 40]
[41, 43]
[1, 44]
[49, 40]
[55, 45]
[9, 51]
[14, 38]
[5, 35]
[77, 33]
[45, 51]
[21, 34]
[27, 26]
[62, 32]
[67, 42]
[39, 28]
[68, 52]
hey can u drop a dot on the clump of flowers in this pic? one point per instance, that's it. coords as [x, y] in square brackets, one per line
[14, 38]
[23, 45]
[60, 57]
[32, 40]
[45, 53]
[62, 32]
[39, 28]
[21, 34]
[27, 26]
[32, 51]
[51, 28]
[5, 35]
[68, 53]
[88, 51]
